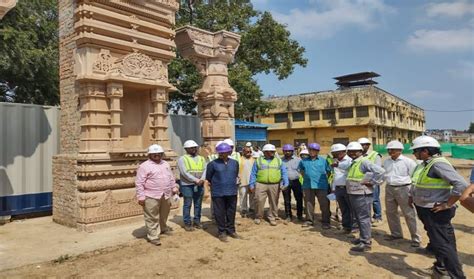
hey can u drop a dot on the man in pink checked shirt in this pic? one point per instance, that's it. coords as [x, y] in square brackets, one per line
[155, 185]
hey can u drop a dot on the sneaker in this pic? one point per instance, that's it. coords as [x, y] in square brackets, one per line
[273, 223]
[198, 226]
[188, 228]
[223, 237]
[415, 244]
[307, 224]
[156, 242]
[235, 236]
[356, 241]
[326, 226]
[377, 222]
[167, 231]
[361, 247]
[257, 221]
[392, 238]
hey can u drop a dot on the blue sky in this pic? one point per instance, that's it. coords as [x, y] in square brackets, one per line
[423, 50]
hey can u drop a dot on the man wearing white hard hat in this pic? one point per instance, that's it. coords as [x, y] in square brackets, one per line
[267, 173]
[375, 158]
[155, 184]
[436, 189]
[340, 164]
[192, 168]
[398, 171]
[361, 177]
[235, 155]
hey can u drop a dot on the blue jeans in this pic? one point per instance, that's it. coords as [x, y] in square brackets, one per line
[191, 196]
[376, 204]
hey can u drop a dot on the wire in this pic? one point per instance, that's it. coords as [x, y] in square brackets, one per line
[462, 110]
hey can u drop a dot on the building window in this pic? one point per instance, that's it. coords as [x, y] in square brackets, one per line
[276, 143]
[346, 112]
[362, 111]
[344, 141]
[329, 114]
[298, 116]
[281, 117]
[314, 115]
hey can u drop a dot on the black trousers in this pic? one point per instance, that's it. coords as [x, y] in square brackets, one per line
[342, 199]
[294, 186]
[224, 213]
[442, 239]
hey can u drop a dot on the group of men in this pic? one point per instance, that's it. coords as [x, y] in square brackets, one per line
[351, 175]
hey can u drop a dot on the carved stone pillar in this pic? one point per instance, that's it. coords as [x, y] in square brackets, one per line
[211, 52]
[115, 93]
[159, 127]
[5, 6]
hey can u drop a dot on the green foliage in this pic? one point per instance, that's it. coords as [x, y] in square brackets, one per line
[265, 47]
[471, 128]
[29, 52]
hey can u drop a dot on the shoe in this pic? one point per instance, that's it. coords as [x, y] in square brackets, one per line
[188, 228]
[167, 231]
[377, 222]
[326, 226]
[156, 242]
[355, 241]
[223, 237]
[273, 223]
[300, 219]
[424, 251]
[346, 230]
[392, 238]
[415, 244]
[434, 272]
[198, 226]
[243, 214]
[307, 224]
[235, 236]
[361, 247]
[257, 221]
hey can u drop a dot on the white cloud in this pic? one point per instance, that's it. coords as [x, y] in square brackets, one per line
[442, 40]
[450, 9]
[465, 70]
[324, 18]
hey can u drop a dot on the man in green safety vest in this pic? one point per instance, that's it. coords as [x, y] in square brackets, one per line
[436, 189]
[191, 168]
[361, 177]
[267, 174]
[375, 158]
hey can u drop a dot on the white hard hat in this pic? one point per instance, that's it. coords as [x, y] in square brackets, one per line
[268, 147]
[424, 141]
[364, 141]
[338, 147]
[229, 142]
[304, 151]
[354, 145]
[190, 143]
[248, 144]
[155, 148]
[395, 144]
[219, 142]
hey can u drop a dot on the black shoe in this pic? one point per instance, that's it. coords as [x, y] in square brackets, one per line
[347, 230]
[235, 236]
[415, 244]
[361, 247]
[223, 237]
[356, 241]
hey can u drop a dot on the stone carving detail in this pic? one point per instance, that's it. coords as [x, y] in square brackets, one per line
[201, 37]
[138, 65]
[204, 50]
[103, 64]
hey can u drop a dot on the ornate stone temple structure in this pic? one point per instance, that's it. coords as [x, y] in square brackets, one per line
[211, 52]
[5, 6]
[114, 91]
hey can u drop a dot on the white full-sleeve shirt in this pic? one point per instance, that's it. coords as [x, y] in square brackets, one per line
[398, 172]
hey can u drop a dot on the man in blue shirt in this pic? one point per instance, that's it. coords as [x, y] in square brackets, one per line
[267, 174]
[222, 174]
[315, 171]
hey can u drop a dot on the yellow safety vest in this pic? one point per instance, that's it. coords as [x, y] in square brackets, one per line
[193, 166]
[372, 156]
[421, 179]
[354, 173]
[330, 161]
[269, 172]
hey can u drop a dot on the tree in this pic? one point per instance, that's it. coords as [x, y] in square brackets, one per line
[265, 47]
[29, 57]
[471, 128]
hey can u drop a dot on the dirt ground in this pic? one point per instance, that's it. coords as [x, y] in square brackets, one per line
[281, 251]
